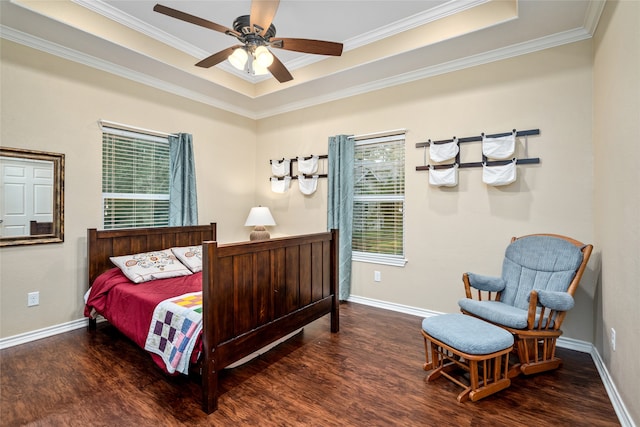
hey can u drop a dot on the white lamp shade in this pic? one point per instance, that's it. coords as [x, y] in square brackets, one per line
[238, 58]
[260, 216]
[263, 56]
[258, 69]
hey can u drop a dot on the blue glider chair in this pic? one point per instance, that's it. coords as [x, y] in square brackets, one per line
[540, 274]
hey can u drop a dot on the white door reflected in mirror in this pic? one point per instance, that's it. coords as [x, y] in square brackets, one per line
[27, 196]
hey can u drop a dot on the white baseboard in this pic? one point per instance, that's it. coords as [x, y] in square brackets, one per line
[43, 333]
[569, 343]
[618, 405]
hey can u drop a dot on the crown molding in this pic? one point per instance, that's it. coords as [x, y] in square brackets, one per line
[592, 17]
[547, 42]
[417, 20]
[115, 14]
[524, 48]
[406, 24]
[109, 67]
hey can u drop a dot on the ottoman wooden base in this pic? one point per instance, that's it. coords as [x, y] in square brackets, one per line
[484, 374]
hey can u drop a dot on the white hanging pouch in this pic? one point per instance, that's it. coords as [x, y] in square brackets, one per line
[444, 152]
[501, 147]
[280, 167]
[499, 175]
[308, 166]
[444, 177]
[308, 186]
[280, 185]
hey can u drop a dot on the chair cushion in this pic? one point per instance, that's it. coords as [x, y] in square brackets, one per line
[502, 314]
[538, 262]
[467, 334]
[496, 312]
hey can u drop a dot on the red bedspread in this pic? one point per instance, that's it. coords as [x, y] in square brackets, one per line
[129, 307]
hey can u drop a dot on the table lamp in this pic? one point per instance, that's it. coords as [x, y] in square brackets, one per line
[259, 217]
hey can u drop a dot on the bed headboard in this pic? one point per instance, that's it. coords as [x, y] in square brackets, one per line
[102, 244]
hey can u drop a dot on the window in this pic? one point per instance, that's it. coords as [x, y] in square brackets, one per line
[135, 179]
[378, 200]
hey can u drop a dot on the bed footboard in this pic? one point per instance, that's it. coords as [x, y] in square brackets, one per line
[258, 292]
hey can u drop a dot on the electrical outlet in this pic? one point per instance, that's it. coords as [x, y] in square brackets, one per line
[33, 298]
[377, 276]
[613, 339]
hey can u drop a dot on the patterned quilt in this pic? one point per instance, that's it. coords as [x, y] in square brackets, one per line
[174, 330]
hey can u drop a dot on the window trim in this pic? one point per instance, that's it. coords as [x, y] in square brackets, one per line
[142, 135]
[377, 258]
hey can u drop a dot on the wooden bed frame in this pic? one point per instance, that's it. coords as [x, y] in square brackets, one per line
[254, 292]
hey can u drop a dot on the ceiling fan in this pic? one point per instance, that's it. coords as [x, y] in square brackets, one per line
[256, 32]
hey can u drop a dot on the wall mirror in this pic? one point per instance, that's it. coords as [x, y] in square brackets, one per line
[31, 197]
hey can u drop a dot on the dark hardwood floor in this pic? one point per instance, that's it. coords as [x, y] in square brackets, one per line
[369, 374]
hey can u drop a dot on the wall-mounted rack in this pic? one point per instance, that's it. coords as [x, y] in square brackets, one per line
[295, 159]
[485, 161]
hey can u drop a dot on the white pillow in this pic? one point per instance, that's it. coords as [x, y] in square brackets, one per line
[191, 256]
[147, 266]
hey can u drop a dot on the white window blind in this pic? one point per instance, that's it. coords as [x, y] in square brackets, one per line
[135, 179]
[378, 205]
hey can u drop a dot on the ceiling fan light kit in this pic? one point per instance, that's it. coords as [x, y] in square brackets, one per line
[256, 63]
[239, 58]
[256, 33]
[263, 56]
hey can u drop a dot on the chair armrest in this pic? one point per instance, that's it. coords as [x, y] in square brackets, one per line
[558, 301]
[483, 284]
[486, 283]
[557, 304]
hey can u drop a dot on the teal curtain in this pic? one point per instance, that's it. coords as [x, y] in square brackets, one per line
[183, 199]
[340, 204]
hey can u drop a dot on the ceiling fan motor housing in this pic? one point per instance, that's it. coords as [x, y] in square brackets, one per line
[242, 25]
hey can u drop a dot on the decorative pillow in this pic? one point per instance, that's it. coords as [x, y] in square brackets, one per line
[147, 266]
[191, 256]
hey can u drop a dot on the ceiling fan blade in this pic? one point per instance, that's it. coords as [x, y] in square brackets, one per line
[262, 13]
[183, 16]
[318, 47]
[279, 71]
[217, 58]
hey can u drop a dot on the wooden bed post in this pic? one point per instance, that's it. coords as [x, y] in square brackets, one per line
[209, 335]
[334, 285]
[91, 243]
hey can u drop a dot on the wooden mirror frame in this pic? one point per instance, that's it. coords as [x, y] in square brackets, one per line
[57, 233]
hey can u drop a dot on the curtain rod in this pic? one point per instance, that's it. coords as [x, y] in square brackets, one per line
[107, 123]
[378, 134]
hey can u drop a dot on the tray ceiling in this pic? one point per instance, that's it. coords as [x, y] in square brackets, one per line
[385, 42]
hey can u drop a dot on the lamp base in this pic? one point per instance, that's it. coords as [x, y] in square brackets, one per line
[259, 233]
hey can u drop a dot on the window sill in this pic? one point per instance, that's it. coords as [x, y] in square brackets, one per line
[395, 261]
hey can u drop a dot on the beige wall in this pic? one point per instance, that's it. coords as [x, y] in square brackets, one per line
[466, 228]
[52, 104]
[617, 195]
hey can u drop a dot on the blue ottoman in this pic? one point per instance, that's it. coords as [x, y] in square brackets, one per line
[460, 342]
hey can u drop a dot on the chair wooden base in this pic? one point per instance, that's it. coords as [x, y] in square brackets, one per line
[487, 373]
[535, 350]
